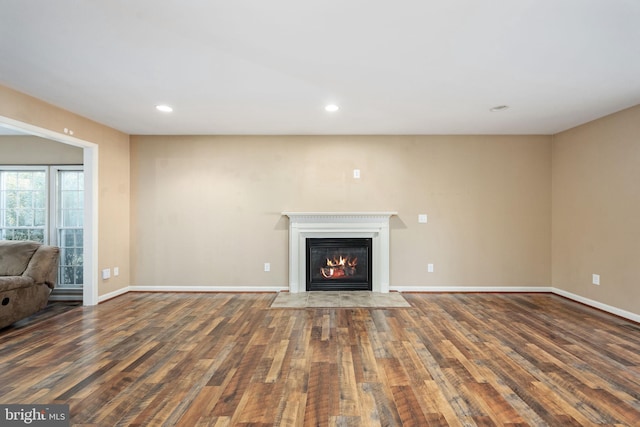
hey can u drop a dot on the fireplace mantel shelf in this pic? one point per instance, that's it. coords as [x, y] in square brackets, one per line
[303, 225]
[339, 214]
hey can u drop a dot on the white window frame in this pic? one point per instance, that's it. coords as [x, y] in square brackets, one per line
[54, 209]
[53, 196]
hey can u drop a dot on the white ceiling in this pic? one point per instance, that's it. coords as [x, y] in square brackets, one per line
[269, 67]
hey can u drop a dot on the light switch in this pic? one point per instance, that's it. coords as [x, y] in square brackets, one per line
[356, 173]
[106, 273]
[422, 218]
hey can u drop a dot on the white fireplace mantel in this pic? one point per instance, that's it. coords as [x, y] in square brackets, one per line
[304, 225]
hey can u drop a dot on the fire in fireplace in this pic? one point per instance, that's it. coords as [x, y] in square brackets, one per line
[339, 264]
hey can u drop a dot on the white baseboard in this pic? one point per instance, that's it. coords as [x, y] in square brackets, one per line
[600, 306]
[471, 288]
[207, 288]
[549, 289]
[105, 297]
[495, 289]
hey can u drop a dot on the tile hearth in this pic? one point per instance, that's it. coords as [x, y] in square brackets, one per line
[337, 299]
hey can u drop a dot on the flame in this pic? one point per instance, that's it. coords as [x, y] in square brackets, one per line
[338, 262]
[337, 267]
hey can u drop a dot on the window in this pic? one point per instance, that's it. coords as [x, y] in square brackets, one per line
[69, 217]
[46, 204]
[23, 205]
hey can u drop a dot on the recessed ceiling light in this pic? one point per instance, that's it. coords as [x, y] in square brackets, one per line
[498, 108]
[164, 108]
[331, 108]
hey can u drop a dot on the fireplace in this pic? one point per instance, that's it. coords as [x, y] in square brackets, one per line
[339, 264]
[339, 225]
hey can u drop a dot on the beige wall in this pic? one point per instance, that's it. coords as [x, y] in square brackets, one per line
[33, 150]
[113, 176]
[206, 210]
[503, 210]
[596, 210]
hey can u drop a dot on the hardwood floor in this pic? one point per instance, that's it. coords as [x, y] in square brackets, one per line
[147, 359]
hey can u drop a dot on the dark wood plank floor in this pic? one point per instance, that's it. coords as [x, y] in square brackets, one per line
[147, 359]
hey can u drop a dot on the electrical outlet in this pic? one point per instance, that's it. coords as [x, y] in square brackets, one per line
[430, 268]
[595, 279]
[267, 266]
[356, 173]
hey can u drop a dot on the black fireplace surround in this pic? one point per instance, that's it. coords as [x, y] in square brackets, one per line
[339, 264]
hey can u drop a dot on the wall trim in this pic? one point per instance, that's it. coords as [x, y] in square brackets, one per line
[418, 289]
[91, 192]
[116, 293]
[537, 289]
[453, 289]
[600, 306]
[208, 288]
